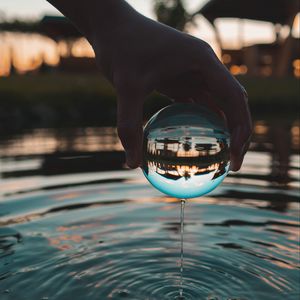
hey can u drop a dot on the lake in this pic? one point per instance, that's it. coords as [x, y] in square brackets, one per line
[76, 224]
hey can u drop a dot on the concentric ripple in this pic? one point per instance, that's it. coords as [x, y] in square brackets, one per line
[130, 250]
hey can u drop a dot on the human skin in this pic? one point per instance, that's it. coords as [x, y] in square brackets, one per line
[139, 55]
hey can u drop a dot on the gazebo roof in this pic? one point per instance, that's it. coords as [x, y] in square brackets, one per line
[274, 11]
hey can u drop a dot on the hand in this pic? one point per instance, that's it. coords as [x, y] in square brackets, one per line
[143, 55]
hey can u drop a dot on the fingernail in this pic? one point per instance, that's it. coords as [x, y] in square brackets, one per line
[232, 167]
[130, 160]
[235, 164]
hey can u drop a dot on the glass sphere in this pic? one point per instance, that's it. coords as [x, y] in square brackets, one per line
[186, 150]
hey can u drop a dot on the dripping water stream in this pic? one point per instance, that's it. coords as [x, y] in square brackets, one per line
[181, 297]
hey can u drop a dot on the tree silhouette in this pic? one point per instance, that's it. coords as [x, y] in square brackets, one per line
[172, 13]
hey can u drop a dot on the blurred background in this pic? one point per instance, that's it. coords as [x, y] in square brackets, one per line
[78, 224]
[54, 104]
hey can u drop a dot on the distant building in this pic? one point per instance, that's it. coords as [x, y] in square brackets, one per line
[280, 58]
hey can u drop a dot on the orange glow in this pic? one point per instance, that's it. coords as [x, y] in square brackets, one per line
[260, 128]
[296, 65]
[82, 48]
[54, 242]
[235, 70]
[62, 48]
[28, 51]
[295, 130]
[282, 264]
[266, 71]
[65, 247]
[167, 207]
[4, 62]
[226, 58]
[44, 141]
[77, 227]
[65, 241]
[238, 70]
[170, 200]
[190, 153]
[297, 73]
[186, 170]
[68, 196]
[243, 69]
[296, 26]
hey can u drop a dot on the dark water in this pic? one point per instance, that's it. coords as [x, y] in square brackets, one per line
[110, 235]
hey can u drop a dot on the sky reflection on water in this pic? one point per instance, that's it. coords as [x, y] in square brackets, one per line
[110, 235]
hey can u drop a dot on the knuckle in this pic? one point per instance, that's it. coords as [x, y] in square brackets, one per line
[205, 46]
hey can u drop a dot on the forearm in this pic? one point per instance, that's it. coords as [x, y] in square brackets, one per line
[100, 16]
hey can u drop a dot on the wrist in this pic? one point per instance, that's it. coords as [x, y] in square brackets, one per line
[108, 19]
[97, 19]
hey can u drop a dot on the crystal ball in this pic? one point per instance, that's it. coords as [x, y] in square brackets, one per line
[186, 150]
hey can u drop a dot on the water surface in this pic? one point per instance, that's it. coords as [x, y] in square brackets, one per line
[110, 235]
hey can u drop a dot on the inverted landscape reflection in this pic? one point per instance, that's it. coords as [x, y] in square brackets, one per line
[186, 167]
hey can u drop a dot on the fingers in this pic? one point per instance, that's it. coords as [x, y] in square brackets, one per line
[239, 144]
[233, 100]
[205, 98]
[183, 100]
[240, 126]
[238, 147]
[129, 123]
[240, 133]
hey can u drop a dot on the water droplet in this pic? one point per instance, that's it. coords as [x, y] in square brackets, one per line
[212, 298]
[123, 293]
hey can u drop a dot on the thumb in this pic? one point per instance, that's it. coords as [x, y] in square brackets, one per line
[130, 129]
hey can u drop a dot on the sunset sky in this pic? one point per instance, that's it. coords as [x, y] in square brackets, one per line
[37, 8]
[230, 29]
[257, 31]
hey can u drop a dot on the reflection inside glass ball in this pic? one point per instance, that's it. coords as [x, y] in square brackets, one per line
[186, 150]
